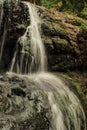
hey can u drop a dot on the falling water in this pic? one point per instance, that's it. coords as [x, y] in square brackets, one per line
[67, 111]
[66, 108]
[35, 44]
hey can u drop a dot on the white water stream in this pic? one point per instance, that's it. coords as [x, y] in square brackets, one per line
[38, 57]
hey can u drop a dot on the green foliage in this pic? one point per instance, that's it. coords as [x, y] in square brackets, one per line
[49, 3]
[72, 6]
[67, 5]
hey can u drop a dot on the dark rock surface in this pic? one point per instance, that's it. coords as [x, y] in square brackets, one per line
[65, 42]
[15, 19]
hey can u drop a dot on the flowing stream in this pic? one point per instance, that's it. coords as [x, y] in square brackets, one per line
[66, 108]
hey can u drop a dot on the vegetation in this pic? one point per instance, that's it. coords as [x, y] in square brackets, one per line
[73, 6]
[80, 22]
[83, 13]
[78, 87]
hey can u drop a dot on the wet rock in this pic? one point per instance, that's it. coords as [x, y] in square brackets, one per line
[18, 92]
[15, 19]
[62, 38]
[65, 43]
[23, 107]
[20, 29]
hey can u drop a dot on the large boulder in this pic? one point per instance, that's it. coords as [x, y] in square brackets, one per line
[22, 104]
[65, 38]
[39, 102]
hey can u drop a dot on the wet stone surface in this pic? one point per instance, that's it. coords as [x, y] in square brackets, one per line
[22, 107]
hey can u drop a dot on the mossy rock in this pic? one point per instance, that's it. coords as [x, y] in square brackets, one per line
[48, 41]
[60, 30]
[81, 23]
[77, 86]
[53, 29]
[60, 41]
[83, 13]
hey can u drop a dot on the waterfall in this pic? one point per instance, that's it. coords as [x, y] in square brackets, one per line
[67, 112]
[32, 39]
[66, 108]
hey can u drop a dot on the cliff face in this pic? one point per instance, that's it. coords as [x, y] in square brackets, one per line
[64, 36]
[65, 40]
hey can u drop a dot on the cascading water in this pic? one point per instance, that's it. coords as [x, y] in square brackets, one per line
[35, 44]
[66, 109]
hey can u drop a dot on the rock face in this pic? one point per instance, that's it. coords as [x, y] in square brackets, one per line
[32, 102]
[14, 21]
[22, 105]
[65, 42]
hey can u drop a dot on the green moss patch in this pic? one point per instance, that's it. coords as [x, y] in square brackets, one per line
[60, 41]
[59, 29]
[77, 87]
[83, 13]
[81, 23]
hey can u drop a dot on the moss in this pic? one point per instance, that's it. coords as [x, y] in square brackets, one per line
[81, 23]
[60, 30]
[48, 4]
[83, 13]
[82, 96]
[48, 41]
[78, 22]
[78, 90]
[60, 41]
